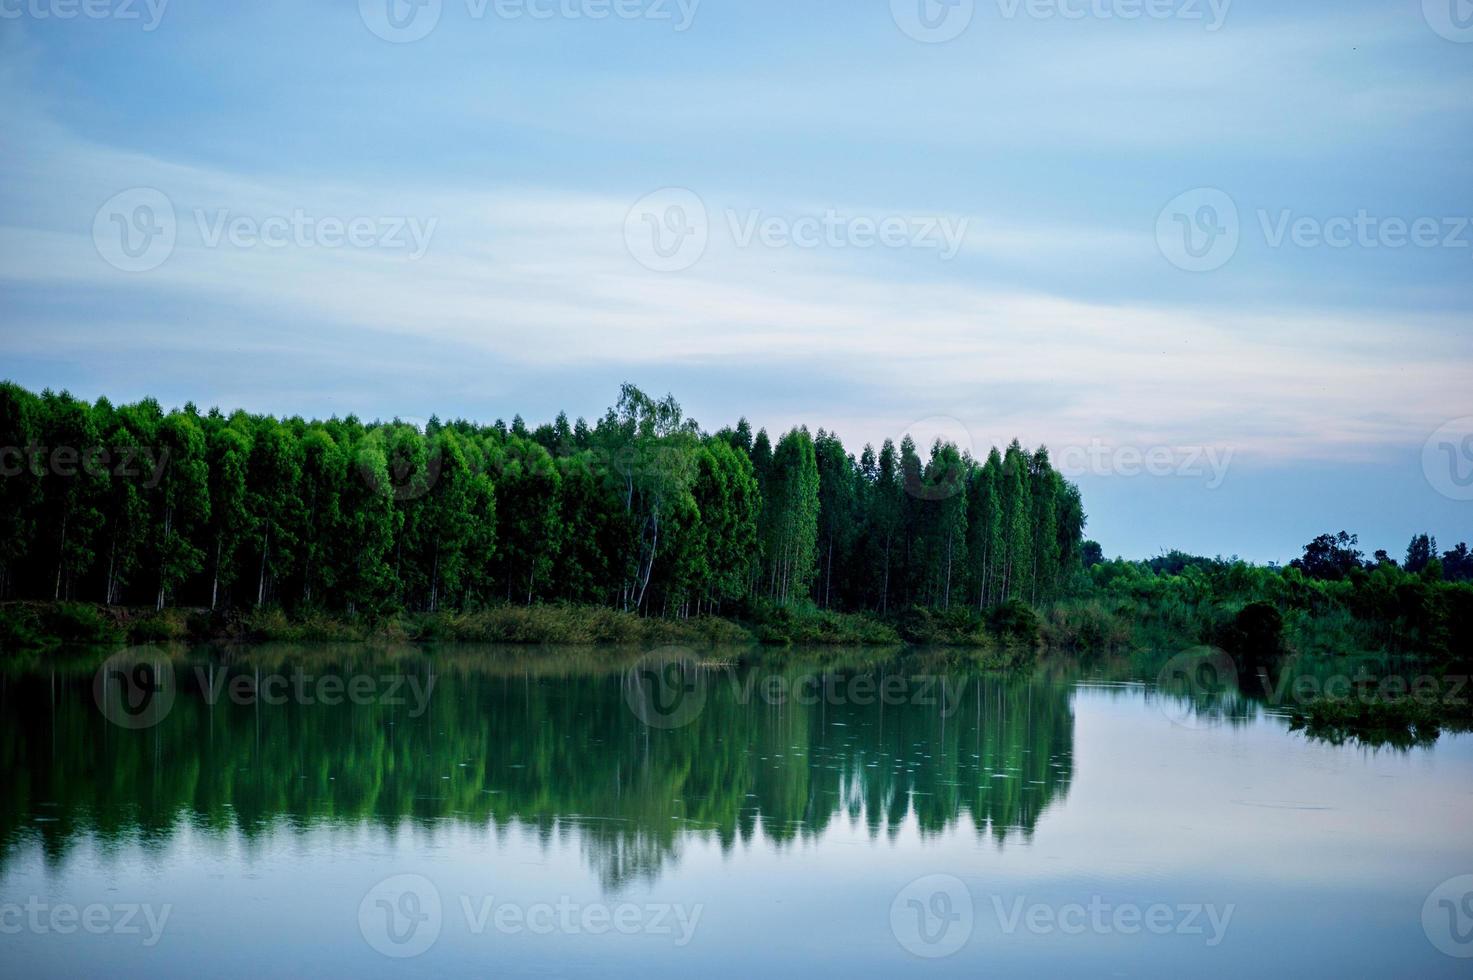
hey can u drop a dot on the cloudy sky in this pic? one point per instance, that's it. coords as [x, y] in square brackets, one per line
[1216, 255]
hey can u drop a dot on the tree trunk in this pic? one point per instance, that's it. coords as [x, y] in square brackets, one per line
[61, 554]
[828, 585]
[885, 588]
[261, 581]
[164, 559]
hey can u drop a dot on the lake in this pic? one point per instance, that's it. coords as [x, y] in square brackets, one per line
[359, 811]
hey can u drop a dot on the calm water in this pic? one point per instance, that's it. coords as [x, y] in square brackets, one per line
[339, 811]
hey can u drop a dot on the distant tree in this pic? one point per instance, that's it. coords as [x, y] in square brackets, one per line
[1420, 551]
[1457, 564]
[1329, 557]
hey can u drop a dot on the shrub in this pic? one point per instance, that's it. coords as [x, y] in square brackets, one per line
[1015, 622]
[1255, 635]
[76, 622]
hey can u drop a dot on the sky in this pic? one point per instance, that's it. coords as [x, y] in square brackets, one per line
[1215, 254]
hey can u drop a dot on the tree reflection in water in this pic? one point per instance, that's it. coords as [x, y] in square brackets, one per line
[552, 741]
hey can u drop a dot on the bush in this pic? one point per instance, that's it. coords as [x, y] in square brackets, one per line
[76, 622]
[273, 624]
[160, 627]
[1015, 622]
[1085, 626]
[1255, 635]
[949, 627]
[21, 629]
[803, 624]
[567, 624]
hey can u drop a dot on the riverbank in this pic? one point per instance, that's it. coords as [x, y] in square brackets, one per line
[1008, 635]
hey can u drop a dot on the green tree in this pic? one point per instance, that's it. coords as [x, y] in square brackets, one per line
[180, 502]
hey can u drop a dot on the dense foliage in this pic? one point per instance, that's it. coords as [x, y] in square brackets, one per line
[641, 512]
[1331, 600]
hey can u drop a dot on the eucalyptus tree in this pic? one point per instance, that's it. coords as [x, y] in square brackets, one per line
[228, 453]
[69, 491]
[985, 526]
[1044, 489]
[836, 501]
[945, 498]
[1017, 509]
[651, 446]
[792, 529]
[20, 484]
[272, 502]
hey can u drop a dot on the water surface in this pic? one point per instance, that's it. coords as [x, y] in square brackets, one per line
[612, 812]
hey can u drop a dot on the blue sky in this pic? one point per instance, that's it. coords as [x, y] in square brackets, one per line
[1038, 174]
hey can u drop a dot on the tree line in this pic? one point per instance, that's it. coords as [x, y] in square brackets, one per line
[1332, 600]
[641, 511]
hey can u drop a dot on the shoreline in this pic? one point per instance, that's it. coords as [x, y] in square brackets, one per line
[1008, 636]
